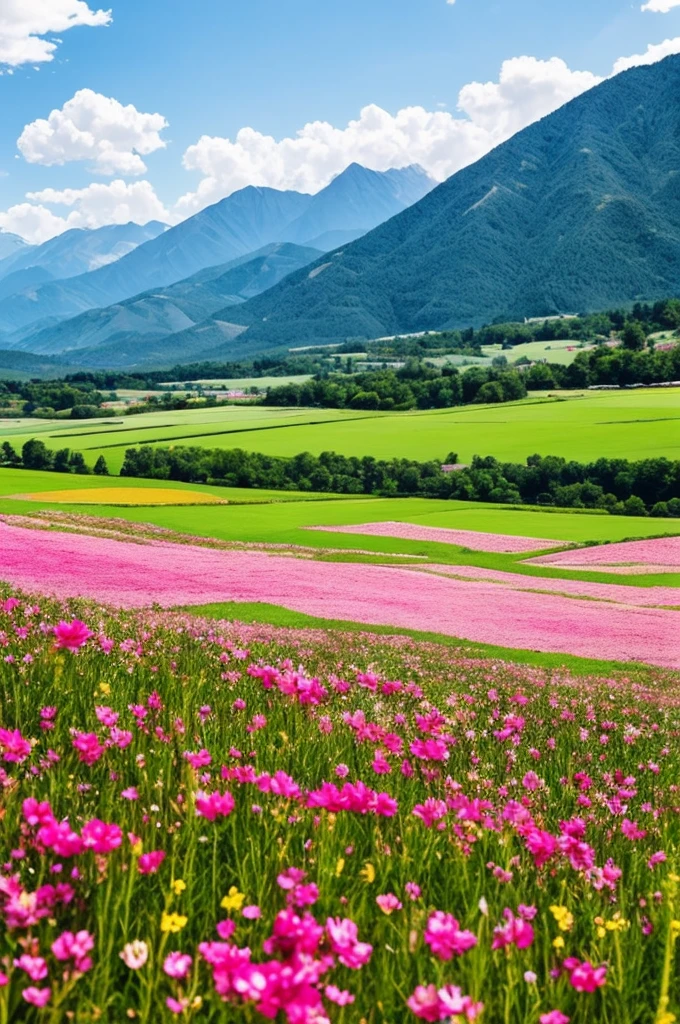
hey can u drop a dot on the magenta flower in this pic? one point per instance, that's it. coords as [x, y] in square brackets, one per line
[149, 863]
[251, 913]
[37, 996]
[555, 1017]
[515, 932]
[388, 903]
[177, 965]
[214, 805]
[100, 837]
[34, 966]
[432, 1004]
[445, 937]
[430, 812]
[71, 636]
[584, 977]
[15, 749]
[344, 940]
[76, 948]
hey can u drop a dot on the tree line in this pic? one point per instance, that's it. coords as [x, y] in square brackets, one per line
[617, 486]
[36, 455]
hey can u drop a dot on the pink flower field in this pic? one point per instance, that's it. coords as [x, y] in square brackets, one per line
[641, 556]
[641, 597]
[495, 542]
[136, 575]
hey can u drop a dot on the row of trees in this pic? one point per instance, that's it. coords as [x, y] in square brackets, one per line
[618, 486]
[607, 366]
[46, 398]
[36, 455]
[414, 387]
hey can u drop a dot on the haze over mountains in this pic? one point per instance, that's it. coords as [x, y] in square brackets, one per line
[353, 203]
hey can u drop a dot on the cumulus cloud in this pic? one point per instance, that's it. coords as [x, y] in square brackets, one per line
[117, 202]
[25, 23]
[440, 141]
[661, 6]
[95, 128]
[654, 52]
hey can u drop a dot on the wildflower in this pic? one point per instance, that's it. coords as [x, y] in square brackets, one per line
[343, 937]
[338, 996]
[177, 965]
[234, 899]
[76, 948]
[251, 913]
[445, 937]
[149, 863]
[515, 932]
[656, 858]
[100, 837]
[172, 922]
[388, 903]
[432, 1004]
[368, 873]
[34, 966]
[135, 954]
[564, 918]
[429, 812]
[15, 749]
[37, 996]
[71, 636]
[214, 805]
[413, 891]
[584, 977]
[179, 886]
[555, 1017]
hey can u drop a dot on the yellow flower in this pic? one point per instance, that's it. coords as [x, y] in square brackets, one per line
[138, 849]
[564, 918]
[179, 886]
[368, 873]
[617, 924]
[558, 943]
[339, 867]
[233, 900]
[105, 689]
[601, 932]
[675, 929]
[173, 922]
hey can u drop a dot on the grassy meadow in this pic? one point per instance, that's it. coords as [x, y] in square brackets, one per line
[632, 425]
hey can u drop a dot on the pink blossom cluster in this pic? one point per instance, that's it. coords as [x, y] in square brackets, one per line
[472, 539]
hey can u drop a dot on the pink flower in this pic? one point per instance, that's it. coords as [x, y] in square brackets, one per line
[251, 913]
[4, 980]
[100, 837]
[37, 996]
[656, 858]
[200, 760]
[555, 1017]
[344, 940]
[413, 891]
[338, 996]
[14, 747]
[214, 805]
[429, 812]
[130, 793]
[584, 977]
[75, 947]
[149, 863]
[177, 965]
[34, 966]
[135, 954]
[432, 1004]
[388, 903]
[71, 636]
[88, 746]
[445, 937]
[515, 932]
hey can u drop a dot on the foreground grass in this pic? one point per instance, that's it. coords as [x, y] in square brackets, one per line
[185, 773]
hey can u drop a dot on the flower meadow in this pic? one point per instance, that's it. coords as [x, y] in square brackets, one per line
[472, 539]
[660, 554]
[207, 821]
[128, 574]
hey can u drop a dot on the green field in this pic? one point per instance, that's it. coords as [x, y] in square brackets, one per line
[629, 424]
[562, 352]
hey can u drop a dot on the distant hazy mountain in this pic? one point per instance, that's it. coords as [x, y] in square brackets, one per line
[354, 202]
[78, 251]
[10, 245]
[125, 333]
[579, 212]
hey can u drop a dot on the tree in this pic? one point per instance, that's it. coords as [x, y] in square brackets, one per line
[61, 461]
[77, 464]
[8, 456]
[100, 467]
[36, 455]
[633, 336]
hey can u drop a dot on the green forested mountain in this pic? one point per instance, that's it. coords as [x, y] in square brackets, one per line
[580, 211]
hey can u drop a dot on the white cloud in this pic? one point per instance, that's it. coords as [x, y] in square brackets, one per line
[654, 52]
[115, 203]
[24, 23]
[95, 128]
[661, 6]
[440, 141]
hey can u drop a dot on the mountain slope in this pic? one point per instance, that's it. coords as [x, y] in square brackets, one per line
[10, 245]
[580, 211]
[78, 251]
[165, 311]
[241, 224]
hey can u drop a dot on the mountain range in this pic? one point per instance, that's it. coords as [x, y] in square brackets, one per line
[353, 203]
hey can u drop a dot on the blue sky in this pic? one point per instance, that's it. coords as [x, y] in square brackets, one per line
[211, 68]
